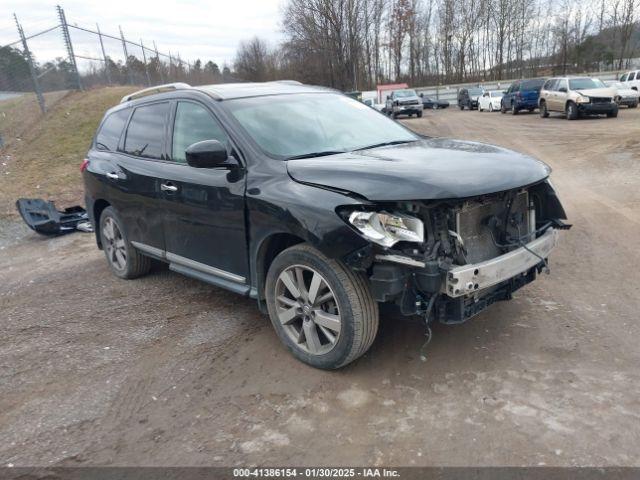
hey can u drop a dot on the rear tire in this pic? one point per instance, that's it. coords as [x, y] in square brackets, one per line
[325, 335]
[419, 114]
[124, 260]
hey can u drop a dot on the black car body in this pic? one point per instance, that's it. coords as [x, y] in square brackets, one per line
[468, 97]
[442, 228]
[433, 103]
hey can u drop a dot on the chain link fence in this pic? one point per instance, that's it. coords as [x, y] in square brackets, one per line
[64, 56]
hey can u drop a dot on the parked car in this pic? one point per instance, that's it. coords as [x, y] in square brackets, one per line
[631, 79]
[576, 97]
[624, 95]
[490, 101]
[521, 95]
[433, 103]
[468, 97]
[403, 102]
[317, 207]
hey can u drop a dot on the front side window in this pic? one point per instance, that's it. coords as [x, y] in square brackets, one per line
[623, 78]
[146, 132]
[632, 76]
[108, 136]
[560, 84]
[194, 124]
[286, 126]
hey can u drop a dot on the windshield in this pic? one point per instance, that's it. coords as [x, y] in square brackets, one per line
[286, 126]
[585, 83]
[475, 91]
[404, 93]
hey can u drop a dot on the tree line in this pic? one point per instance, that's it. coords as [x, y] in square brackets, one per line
[356, 44]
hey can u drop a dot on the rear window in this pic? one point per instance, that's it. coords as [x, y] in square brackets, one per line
[109, 134]
[532, 84]
[146, 132]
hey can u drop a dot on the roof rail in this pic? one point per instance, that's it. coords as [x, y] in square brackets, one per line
[153, 90]
[288, 82]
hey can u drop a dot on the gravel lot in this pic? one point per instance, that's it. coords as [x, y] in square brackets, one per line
[168, 371]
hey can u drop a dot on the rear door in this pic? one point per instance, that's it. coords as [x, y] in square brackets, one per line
[131, 172]
[203, 208]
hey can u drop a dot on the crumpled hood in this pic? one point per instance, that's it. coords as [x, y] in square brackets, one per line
[429, 169]
[598, 92]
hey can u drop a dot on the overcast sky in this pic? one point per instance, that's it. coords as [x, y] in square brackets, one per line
[209, 30]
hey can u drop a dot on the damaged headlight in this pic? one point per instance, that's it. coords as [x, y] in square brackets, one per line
[387, 229]
[583, 99]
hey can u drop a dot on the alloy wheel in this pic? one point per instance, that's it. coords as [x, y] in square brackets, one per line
[308, 309]
[114, 244]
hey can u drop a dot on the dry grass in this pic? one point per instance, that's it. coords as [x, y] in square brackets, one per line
[42, 154]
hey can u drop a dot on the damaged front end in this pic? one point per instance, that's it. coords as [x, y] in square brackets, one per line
[473, 252]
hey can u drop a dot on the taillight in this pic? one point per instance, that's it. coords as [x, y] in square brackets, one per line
[84, 165]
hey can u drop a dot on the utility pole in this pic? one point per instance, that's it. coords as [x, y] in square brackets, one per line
[32, 70]
[69, 45]
[104, 56]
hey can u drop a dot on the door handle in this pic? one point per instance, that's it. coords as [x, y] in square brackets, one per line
[167, 187]
[113, 175]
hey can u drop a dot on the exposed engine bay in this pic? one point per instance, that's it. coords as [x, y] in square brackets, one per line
[475, 252]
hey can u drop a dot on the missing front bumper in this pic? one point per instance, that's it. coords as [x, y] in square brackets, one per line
[470, 278]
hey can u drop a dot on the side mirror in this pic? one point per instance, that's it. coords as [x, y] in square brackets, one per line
[421, 95]
[563, 89]
[206, 154]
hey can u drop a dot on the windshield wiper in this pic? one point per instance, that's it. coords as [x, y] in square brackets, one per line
[315, 154]
[385, 144]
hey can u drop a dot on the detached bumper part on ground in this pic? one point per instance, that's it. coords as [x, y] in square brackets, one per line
[42, 217]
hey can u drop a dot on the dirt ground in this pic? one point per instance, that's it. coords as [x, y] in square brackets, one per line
[168, 371]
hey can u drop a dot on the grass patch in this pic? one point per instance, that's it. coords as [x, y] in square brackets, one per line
[42, 154]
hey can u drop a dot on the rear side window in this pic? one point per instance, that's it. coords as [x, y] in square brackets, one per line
[146, 132]
[194, 124]
[109, 134]
[632, 75]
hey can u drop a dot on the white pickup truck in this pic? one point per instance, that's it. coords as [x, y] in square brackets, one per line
[631, 79]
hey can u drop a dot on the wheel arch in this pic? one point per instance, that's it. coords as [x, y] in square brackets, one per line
[269, 248]
[98, 207]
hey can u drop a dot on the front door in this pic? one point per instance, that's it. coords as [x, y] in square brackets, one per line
[204, 215]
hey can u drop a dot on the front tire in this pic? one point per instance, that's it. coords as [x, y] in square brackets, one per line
[633, 105]
[572, 111]
[322, 311]
[613, 114]
[124, 260]
[514, 109]
[491, 107]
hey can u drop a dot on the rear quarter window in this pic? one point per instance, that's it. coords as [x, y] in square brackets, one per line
[108, 135]
[146, 131]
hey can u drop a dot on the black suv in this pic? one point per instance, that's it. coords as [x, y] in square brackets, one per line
[316, 206]
[468, 97]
